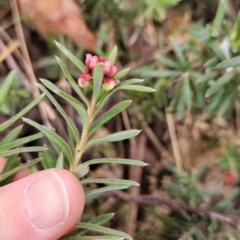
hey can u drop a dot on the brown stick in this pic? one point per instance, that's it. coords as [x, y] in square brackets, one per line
[130, 227]
[29, 69]
[146, 199]
[174, 140]
[135, 174]
[11, 47]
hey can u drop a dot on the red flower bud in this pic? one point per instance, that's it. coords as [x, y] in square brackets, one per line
[108, 83]
[108, 69]
[101, 59]
[83, 80]
[91, 61]
[112, 72]
[88, 58]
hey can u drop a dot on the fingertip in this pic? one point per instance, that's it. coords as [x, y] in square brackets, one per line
[48, 205]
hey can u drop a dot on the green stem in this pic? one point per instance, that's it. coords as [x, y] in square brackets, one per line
[84, 136]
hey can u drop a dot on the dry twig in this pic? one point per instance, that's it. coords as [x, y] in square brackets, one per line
[11, 47]
[28, 66]
[146, 199]
[174, 140]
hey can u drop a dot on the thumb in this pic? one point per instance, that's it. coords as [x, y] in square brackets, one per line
[44, 205]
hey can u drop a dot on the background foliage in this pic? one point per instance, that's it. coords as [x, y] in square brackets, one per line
[189, 52]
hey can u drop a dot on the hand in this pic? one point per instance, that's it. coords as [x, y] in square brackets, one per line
[44, 205]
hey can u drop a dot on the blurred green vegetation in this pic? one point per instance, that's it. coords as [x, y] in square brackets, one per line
[194, 66]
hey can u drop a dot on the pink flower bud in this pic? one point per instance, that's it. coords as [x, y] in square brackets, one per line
[93, 62]
[108, 83]
[83, 80]
[112, 71]
[101, 59]
[108, 69]
[88, 58]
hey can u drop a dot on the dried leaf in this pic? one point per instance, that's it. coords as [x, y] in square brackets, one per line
[59, 17]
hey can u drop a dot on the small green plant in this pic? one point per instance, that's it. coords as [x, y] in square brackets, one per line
[189, 188]
[10, 144]
[102, 77]
[201, 74]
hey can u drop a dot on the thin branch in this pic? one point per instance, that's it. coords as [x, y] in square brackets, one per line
[28, 65]
[174, 140]
[146, 199]
[153, 138]
[11, 47]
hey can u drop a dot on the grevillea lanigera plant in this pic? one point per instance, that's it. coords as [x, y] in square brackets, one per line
[102, 77]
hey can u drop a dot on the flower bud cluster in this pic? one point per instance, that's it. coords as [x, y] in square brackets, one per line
[109, 71]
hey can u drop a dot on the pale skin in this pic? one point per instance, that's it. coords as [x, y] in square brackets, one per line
[44, 205]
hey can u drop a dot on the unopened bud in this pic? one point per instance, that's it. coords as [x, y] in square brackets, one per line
[83, 80]
[108, 83]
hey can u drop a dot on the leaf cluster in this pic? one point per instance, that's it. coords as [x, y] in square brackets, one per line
[202, 74]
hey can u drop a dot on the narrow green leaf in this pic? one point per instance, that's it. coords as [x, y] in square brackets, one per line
[200, 33]
[60, 161]
[79, 64]
[107, 95]
[121, 73]
[233, 62]
[77, 105]
[6, 86]
[104, 230]
[74, 85]
[104, 99]
[138, 88]
[21, 150]
[167, 62]
[211, 62]
[73, 131]
[112, 56]
[12, 135]
[124, 161]
[48, 158]
[12, 162]
[97, 80]
[214, 45]
[20, 141]
[58, 142]
[225, 202]
[205, 77]
[130, 81]
[92, 238]
[220, 83]
[186, 91]
[226, 105]
[110, 181]
[21, 113]
[32, 169]
[74, 102]
[114, 137]
[99, 220]
[213, 105]
[81, 170]
[9, 173]
[179, 54]
[161, 74]
[217, 22]
[91, 194]
[109, 115]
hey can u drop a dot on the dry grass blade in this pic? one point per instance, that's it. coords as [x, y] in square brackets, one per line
[174, 140]
[11, 47]
[29, 69]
